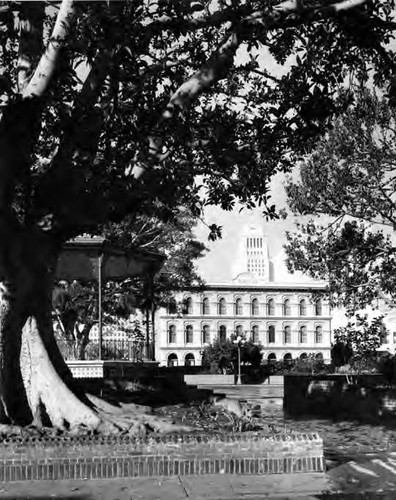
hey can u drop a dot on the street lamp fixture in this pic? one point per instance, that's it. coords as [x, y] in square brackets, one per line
[239, 341]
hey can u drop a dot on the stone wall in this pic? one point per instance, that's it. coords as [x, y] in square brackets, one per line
[123, 456]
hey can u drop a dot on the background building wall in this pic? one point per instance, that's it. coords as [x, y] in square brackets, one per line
[183, 344]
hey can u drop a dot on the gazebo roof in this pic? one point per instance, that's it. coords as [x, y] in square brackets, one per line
[82, 256]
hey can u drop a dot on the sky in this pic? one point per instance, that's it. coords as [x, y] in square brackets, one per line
[217, 265]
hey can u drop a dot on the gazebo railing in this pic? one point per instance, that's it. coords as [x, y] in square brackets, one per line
[112, 349]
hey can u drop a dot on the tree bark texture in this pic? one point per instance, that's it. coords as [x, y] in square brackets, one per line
[36, 385]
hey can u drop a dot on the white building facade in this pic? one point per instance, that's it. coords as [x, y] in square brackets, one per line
[288, 320]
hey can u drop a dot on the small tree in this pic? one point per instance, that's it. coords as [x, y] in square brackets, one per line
[225, 354]
[349, 179]
[361, 339]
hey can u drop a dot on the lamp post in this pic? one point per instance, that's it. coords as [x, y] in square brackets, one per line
[239, 341]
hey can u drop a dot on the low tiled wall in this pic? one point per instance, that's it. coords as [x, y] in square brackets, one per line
[124, 456]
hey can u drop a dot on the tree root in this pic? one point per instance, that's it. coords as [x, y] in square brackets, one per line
[133, 419]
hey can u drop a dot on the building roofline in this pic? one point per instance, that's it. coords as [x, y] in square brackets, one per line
[262, 286]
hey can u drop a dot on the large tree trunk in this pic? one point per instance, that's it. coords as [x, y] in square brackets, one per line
[36, 385]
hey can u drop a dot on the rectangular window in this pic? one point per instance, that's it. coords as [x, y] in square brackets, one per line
[189, 334]
[303, 335]
[238, 307]
[255, 334]
[286, 307]
[172, 334]
[271, 334]
[206, 335]
[287, 335]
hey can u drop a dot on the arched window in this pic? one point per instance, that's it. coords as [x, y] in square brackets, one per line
[255, 334]
[222, 334]
[238, 307]
[271, 307]
[303, 356]
[255, 307]
[318, 335]
[286, 307]
[172, 306]
[172, 360]
[172, 334]
[189, 360]
[271, 357]
[318, 307]
[222, 306]
[319, 356]
[189, 334]
[188, 306]
[287, 335]
[206, 334]
[239, 331]
[205, 306]
[303, 335]
[287, 358]
[303, 307]
[271, 334]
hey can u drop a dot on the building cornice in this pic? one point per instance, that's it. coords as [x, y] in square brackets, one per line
[260, 287]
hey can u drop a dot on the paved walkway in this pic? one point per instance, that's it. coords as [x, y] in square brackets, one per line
[219, 487]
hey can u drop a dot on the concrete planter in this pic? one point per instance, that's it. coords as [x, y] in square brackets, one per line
[368, 398]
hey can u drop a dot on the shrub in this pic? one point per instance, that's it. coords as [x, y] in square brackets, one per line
[309, 365]
[225, 354]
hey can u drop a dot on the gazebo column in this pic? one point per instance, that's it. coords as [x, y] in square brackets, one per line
[100, 299]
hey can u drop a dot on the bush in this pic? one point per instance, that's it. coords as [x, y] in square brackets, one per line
[225, 354]
[364, 364]
[309, 365]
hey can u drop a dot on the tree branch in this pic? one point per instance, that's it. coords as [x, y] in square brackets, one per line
[42, 76]
[31, 19]
[214, 70]
[221, 62]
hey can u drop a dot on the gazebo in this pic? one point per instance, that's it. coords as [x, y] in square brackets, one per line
[93, 258]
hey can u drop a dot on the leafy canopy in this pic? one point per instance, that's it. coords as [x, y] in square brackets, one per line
[140, 106]
[350, 177]
[174, 239]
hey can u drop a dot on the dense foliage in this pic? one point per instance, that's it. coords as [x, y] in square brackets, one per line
[174, 239]
[350, 177]
[225, 355]
[355, 345]
[155, 100]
